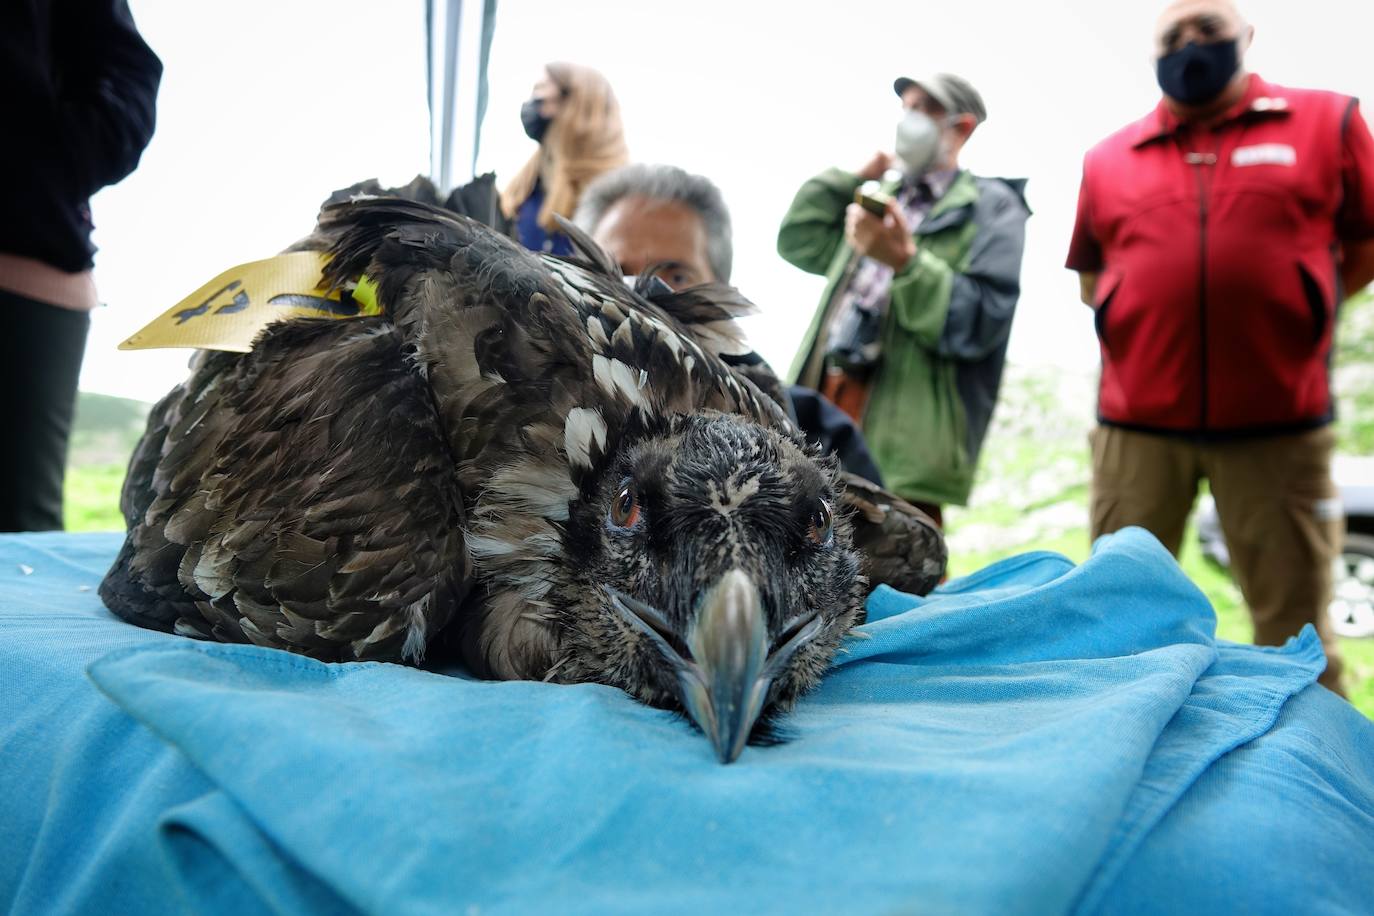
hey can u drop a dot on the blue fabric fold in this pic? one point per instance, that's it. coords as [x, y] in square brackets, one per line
[1037, 737]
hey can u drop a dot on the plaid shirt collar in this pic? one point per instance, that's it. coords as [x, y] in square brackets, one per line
[929, 187]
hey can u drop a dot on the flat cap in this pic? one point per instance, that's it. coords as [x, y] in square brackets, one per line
[954, 93]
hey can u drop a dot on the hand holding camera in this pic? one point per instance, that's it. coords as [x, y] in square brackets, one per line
[883, 235]
[872, 198]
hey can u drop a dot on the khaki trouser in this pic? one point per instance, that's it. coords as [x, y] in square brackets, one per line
[1278, 507]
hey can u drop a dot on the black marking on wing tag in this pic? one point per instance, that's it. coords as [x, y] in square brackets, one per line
[343, 309]
[239, 303]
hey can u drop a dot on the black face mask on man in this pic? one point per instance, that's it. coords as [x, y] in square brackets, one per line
[1196, 74]
[535, 123]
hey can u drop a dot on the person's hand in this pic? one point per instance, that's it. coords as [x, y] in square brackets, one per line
[874, 168]
[886, 239]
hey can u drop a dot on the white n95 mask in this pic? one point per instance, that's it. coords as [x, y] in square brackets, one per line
[918, 140]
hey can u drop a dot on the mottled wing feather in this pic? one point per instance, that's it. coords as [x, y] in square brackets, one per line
[585, 249]
[706, 313]
[901, 545]
[299, 497]
[526, 332]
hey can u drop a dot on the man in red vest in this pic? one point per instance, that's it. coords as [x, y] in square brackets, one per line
[1215, 239]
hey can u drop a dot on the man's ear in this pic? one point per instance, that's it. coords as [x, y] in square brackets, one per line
[967, 124]
[1247, 39]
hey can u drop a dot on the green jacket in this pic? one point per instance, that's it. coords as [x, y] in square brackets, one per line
[945, 334]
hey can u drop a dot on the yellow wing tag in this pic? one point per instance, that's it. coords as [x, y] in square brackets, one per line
[228, 312]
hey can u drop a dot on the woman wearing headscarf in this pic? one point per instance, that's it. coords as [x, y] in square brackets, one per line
[574, 117]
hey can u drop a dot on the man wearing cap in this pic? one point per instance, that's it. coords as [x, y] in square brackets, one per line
[910, 335]
[1215, 239]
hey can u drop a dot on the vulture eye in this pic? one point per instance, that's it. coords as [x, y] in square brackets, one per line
[821, 530]
[625, 508]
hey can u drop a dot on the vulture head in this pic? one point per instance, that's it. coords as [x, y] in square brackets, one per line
[709, 569]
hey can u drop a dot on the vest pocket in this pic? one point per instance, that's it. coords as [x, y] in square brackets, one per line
[1108, 285]
[1316, 303]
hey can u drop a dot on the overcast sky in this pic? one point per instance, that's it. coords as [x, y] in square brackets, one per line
[267, 106]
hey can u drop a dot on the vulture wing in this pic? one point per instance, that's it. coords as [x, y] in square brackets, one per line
[299, 496]
[901, 545]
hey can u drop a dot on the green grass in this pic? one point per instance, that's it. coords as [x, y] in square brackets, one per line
[92, 498]
[103, 437]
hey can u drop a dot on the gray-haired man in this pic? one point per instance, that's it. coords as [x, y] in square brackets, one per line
[661, 220]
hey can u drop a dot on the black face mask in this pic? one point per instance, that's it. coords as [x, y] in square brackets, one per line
[535, 123]
[1195, 74]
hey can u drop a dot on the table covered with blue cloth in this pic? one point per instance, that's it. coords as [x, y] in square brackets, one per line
[1034, 738]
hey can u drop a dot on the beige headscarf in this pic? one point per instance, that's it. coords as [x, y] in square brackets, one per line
[585, 140]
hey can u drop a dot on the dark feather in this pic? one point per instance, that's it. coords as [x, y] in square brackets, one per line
[901, 545]
[583, 246]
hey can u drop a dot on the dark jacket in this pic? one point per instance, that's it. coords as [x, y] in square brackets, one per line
[77, 93]
[826, 425]
[1218, 258]
[945, 334]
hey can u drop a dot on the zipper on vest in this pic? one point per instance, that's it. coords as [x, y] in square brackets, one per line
[1198, 161]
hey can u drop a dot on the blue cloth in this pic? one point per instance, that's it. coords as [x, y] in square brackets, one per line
[534, 236]
[1034, 738]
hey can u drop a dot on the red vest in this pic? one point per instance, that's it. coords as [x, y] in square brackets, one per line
[1217, 252]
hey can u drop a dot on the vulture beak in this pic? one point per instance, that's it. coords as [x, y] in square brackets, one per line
[725, 682]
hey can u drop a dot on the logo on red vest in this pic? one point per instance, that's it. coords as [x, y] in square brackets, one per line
[1264, 154]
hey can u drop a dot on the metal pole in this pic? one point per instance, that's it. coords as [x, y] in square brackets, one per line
[459, 45]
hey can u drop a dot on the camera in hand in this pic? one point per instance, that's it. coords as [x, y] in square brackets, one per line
[872, 198]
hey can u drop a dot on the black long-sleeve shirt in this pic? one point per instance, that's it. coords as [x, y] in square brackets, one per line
[78, 88]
